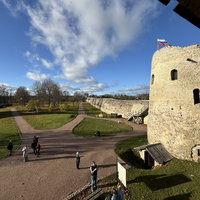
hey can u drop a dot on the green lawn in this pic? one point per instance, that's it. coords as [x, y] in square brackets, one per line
[178, 180]
[49, 120]
[88, 126]
[124, 149]
[8, 131]
[91, 110]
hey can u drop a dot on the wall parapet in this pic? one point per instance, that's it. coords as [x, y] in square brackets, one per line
[121, 107]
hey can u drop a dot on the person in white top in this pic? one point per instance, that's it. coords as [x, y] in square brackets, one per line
[25, 153]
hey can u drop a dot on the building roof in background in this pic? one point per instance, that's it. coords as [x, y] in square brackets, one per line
[188, 9]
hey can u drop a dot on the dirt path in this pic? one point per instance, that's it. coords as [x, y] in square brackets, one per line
[53, 175]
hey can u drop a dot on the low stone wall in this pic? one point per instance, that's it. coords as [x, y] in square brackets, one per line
[121, 107]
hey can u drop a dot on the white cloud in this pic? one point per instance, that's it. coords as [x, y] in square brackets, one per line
[86, 89]
[81, 33]
[47, 64]
[9, 87]
[94, 88]
[36, 76]
[67, 87]
[27, 54]
[140, 89]
[34, 58]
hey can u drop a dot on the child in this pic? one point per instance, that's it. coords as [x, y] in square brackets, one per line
[37, 149]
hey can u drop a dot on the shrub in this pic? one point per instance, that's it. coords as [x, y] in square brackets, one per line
[37, 105]
[61, 107]
[66, 106]
[31, 105]
[51, 107]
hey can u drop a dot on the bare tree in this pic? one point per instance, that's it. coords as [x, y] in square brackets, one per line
[37, 90]
[77, 96]
[3, 94]
[22, 95]
[66, 95]
[48, 91]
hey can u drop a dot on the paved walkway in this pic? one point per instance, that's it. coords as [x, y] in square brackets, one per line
[53, 175]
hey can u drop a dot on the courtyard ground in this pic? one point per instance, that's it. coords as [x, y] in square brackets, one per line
[53, 174]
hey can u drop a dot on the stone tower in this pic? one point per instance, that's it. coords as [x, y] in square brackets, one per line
[174, 105]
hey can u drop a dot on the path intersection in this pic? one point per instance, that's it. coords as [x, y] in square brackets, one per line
[53, 175]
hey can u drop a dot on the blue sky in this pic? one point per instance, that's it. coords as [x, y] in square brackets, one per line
[93, 46]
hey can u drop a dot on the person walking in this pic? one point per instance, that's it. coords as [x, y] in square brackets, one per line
[33, 146]
[77, 160]
[10, 147]
[120, 193]
[37, 149]
[35, 139]
[25, 153]
[93, 170]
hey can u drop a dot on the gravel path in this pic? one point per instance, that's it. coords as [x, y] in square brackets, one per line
[53, 175]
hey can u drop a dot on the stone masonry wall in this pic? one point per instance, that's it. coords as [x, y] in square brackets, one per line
[174, 119]
[121, 107]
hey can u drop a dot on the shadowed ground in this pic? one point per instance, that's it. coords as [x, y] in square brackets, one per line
[53, 175]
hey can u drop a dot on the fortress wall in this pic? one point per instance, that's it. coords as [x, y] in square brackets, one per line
[121, 107]
[174, 119]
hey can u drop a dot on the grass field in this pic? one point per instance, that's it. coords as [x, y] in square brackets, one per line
[8, 131]
[178, 180]
[88, 126]
[45, 120]
[124, 149]
[91, 110]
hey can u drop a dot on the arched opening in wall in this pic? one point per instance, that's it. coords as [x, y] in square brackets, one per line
[196, 96]
[152, 79]
[174, 74]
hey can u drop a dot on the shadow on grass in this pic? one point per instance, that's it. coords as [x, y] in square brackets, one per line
[180, 197]
[5, 114]
[158, 182]
[133, 158]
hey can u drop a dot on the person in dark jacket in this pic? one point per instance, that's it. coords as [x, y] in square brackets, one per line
[35, 139]
[38, 149]
[77, 160]
[33, 146]
[93, 170]
[10, 147]
[97, 134]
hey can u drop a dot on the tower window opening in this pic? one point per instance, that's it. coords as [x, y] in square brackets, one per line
[196, 96]
[198, 152]
[174, 74]
[152, 79]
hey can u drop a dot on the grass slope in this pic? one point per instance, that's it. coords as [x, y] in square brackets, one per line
[8, 131]
[49, 120]
[88, 126]
[177, 180]
[91, 110]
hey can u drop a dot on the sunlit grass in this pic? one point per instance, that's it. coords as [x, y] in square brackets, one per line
[88, 126]
[179, 179]
[92, 111]
[49, 120]
[8, 131]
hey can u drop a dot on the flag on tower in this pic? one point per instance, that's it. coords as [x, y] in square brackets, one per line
[161, 42]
